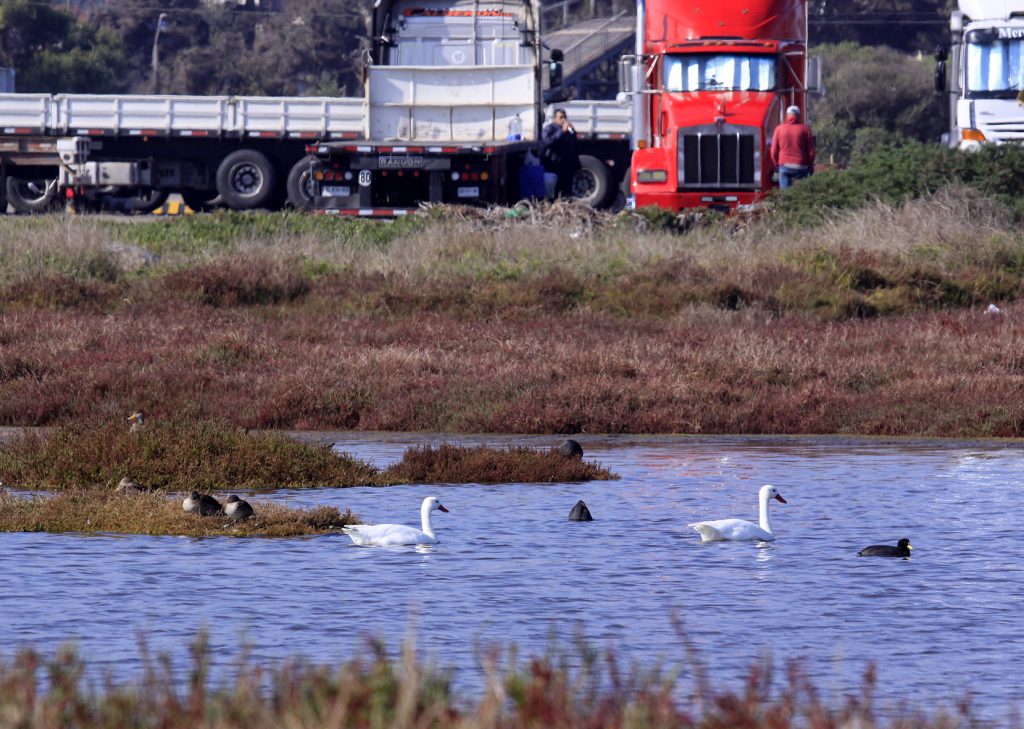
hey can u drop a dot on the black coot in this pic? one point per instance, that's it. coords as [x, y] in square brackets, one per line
[902, 549]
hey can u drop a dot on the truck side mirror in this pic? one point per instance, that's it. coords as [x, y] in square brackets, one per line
[555, 68]
[813, 83]
[940, 76]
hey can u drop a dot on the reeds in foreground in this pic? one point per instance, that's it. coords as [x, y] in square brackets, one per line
[377, 692]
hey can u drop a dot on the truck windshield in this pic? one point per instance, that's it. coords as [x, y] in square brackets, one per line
[995, 67]
[719, 72]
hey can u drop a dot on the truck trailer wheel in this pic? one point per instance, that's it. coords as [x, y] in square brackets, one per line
[593, 182]
[246, 180]
[201, 201]
[300, 185]
[32, 195]
[146, 201]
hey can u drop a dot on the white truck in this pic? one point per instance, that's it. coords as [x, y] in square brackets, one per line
[986, 72]
[451, 110]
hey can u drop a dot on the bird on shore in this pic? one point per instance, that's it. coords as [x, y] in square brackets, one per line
[902, 549]
[738, 530]
[237, 509]
[394, 535]
[126, 486]
[202, 504]
[135, 421]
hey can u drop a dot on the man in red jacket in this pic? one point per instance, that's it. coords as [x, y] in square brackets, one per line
[793, 149]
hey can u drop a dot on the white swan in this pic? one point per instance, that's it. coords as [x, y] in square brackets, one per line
[394, 535]
[738, 530]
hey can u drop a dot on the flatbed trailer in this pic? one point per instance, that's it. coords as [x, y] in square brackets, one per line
[241, 149]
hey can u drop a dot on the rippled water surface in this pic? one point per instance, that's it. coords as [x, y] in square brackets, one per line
[512, 569]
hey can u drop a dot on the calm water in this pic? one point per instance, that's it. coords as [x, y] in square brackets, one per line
[512, 569]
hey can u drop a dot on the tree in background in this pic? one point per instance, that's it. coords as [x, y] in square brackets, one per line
[874, 96]
[52, 52]
[906, 25]
[309, 48]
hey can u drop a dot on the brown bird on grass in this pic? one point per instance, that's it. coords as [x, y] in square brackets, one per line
[135, 421]
[127, 486]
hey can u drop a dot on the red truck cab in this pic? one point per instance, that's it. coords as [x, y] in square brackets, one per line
[717, 78]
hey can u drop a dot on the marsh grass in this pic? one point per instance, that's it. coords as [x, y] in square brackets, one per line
[182, 456]
[156, 514]
[555, 320]
[375, 691]
[954, 248]
[174, 455]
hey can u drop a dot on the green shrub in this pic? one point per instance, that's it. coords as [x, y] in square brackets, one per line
[896, 173]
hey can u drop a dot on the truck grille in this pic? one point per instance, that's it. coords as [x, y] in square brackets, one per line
[713, 157]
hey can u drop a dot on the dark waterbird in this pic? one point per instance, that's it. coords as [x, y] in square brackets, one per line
[238, 509]
[202, 504]
[570, 449]
[902, 549]
[580, 512]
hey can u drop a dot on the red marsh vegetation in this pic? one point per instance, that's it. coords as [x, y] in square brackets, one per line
[559, 321]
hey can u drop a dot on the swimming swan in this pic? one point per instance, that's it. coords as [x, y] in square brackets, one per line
[394, 535]
[738, 530]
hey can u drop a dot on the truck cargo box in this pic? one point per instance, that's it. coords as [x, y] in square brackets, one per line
[450, 104]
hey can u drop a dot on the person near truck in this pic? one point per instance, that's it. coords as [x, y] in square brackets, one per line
[792, 149]
[559, 155]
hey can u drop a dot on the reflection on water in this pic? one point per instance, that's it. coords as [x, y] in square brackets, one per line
[511, 568]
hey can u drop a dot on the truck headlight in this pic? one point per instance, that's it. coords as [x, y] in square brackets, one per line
[652, 175]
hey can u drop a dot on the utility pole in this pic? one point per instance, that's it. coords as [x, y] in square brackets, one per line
[161, 24]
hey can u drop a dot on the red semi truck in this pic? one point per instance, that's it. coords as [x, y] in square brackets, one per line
[710, 82]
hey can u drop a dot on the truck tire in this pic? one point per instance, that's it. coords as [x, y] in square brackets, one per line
[300, 185]
[201, 201]
[592, 183]
[246, 180]
[146, 201]
[32, 195]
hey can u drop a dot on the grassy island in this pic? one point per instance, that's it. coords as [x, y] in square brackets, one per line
[183, 456]
[157, 514]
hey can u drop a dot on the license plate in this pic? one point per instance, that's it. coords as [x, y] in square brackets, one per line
[469, 192]
[337, 191]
